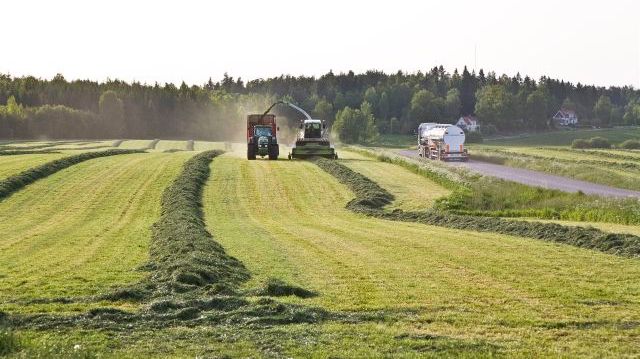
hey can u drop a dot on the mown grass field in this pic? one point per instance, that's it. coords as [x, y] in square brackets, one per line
[287, 220]
[82, 230]
[565, 137]
[394, 289]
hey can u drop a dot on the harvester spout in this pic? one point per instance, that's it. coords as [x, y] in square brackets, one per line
[290, 105]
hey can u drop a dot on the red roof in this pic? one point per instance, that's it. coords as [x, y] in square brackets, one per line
[468, 120]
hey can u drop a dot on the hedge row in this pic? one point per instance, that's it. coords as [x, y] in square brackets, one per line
[371, 198]
[16, 182]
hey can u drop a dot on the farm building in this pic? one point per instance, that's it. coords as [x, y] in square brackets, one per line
[565, 118]
[468, 123]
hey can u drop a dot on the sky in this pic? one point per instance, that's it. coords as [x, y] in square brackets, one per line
[592, 42]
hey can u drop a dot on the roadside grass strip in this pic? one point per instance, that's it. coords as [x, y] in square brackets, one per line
[371, 199]
[16, 182]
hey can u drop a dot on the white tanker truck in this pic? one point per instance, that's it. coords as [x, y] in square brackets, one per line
[439, 141]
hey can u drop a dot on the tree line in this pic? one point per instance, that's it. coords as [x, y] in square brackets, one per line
[360, 106]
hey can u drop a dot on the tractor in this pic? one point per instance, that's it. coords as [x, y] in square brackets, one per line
[261, 136]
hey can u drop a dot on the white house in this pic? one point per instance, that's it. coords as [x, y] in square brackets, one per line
[565, 118]
[468, 123]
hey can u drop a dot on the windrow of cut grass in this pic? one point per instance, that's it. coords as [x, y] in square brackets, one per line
[412, 191]
[25, 152]
[192, 280]
[184, 255]
[81, 231]
[16, 182]
[371, 198]
[519, 297]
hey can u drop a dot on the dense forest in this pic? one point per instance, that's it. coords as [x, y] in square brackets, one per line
[360, 106]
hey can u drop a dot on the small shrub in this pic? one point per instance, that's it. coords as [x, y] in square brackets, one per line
[630, 145]
[599, 142]
[184, 255]
[580, 143]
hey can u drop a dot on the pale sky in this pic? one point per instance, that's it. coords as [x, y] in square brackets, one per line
[593, 42]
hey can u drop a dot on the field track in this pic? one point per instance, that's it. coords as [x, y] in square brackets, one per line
[286, 219]
[82, 230]
[536, 178]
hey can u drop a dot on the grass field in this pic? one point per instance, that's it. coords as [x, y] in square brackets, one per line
[564, 138]
[164, 145]
[82, 230]
[393, 289]
[10, 165]
[135, 144]
[287, 220]
[581, 165]
[411, 191]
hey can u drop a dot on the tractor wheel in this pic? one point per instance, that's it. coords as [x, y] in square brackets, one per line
[251, 152]
[273, 153]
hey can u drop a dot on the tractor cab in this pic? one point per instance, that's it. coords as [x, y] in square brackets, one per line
[262, 131]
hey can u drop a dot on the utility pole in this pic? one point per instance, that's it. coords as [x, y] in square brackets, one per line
[475, 57]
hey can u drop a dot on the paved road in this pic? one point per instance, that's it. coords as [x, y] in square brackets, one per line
[539, 179]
